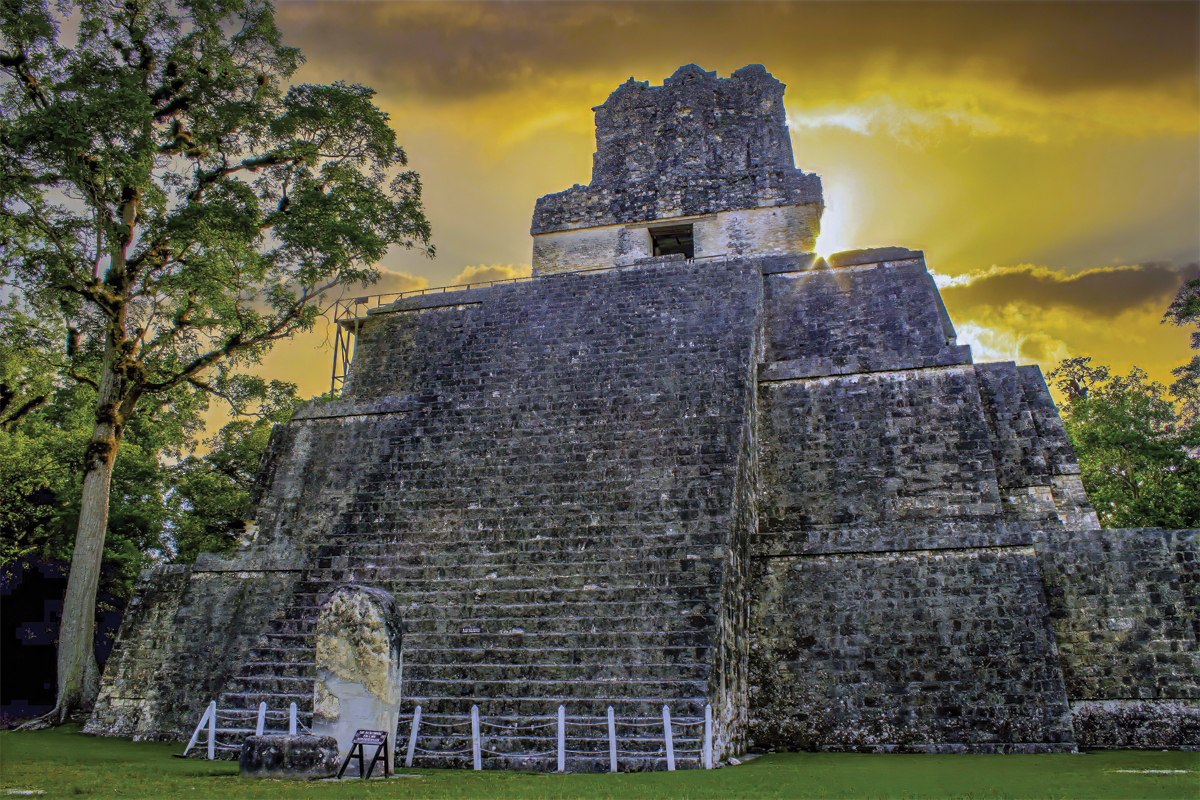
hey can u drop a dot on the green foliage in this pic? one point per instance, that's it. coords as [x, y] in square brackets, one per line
[1185, 310]
[1136, 448]
[174, 208]
[157, 509]
[163, 194]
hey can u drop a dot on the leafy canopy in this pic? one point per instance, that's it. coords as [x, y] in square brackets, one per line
[167, 202]
[159, 190]
[1136, 447]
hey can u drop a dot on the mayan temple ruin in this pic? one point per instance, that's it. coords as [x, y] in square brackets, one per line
[688, 464]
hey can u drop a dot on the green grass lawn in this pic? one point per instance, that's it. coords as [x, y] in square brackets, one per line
[66, 763]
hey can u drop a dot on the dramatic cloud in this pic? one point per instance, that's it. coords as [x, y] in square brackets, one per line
[1032, 315]
[1099, 292]
[393, 282]
[464, 49]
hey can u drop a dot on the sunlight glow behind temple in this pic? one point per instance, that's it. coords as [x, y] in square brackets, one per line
[838, 229]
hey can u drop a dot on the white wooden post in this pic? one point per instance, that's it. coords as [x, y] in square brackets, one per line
[612, 741]
[262, 719]
[562, 739]
[667, 737]
[292, 720]
[475, 755]
[708, 737]
[212, 731]
[208, 712]
[412, 737]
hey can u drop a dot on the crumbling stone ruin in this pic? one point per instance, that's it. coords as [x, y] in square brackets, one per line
[691, 463]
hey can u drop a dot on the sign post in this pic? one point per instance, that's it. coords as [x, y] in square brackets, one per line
[363, 737]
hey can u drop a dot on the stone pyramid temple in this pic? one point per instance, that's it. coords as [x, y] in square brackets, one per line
[688, 464]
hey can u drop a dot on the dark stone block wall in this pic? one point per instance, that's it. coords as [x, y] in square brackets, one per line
[926, 651]
[859, 319]
[1036, 472]
[883, 461]
[1124, 604]
[897, 602]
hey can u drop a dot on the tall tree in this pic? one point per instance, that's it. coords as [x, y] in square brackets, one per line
[158, 184]
[1134, 446]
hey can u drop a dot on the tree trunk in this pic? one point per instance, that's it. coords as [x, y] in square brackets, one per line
[78, 674]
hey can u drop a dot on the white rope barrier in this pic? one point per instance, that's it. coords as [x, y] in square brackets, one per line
[452, 725]
[209, 725]
[517, 727]
[450, 729]
[700, 750]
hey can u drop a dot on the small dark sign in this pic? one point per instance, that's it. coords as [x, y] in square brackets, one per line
[472, 629]
[361, 737]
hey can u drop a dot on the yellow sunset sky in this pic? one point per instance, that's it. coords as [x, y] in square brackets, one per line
[1046, 157]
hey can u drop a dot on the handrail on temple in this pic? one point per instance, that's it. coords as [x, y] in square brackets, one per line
[346, 310]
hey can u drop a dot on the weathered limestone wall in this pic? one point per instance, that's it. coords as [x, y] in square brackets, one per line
[129, 699]
[785, 230]
[730, 696]
[1036, 472]
[1074, 508]
[860, 318]
[925, 651]
[881, 461]
[897, 600]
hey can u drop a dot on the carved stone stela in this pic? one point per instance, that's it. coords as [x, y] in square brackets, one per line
[358, 664]
[688, 464]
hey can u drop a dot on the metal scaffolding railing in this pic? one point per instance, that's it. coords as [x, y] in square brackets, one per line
[350, 313]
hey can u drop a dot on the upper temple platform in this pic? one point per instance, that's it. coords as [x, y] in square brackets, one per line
[700, 165]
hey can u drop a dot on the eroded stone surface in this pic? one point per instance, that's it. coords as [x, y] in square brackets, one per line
[711, 153]
[1137, 724]
[285, 757]
[358, 665]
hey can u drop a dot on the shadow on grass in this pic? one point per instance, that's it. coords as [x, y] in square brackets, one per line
[65, 763]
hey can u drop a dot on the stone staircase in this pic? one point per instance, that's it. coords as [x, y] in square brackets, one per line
[518, 627]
